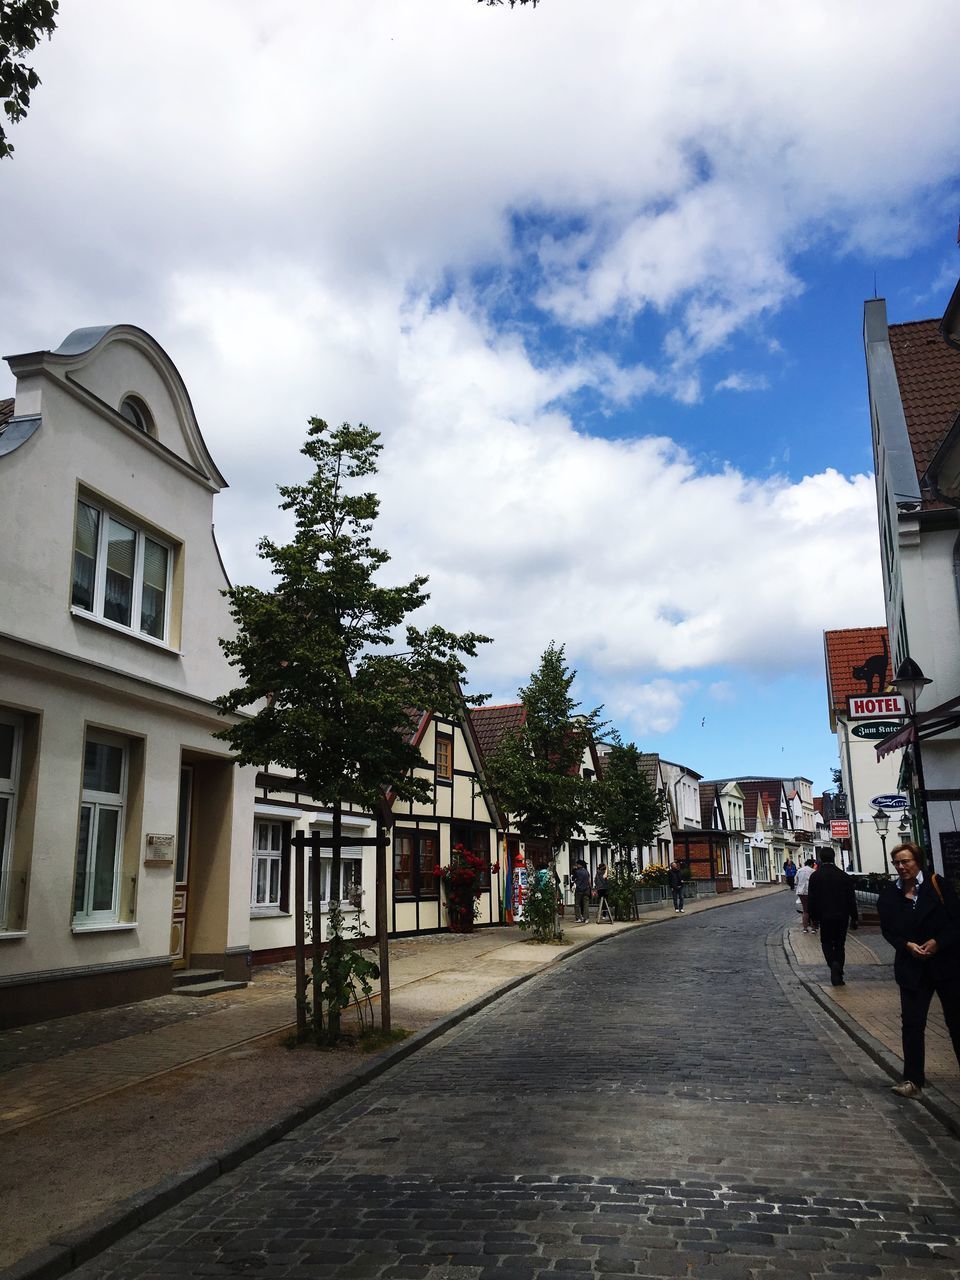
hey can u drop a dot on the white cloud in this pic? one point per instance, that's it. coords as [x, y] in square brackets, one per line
[742, 382]
[324, 209]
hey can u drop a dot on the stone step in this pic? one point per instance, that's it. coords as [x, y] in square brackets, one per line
[211, 988]
[184, 977]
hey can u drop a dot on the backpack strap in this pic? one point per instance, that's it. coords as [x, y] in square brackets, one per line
[936, 884]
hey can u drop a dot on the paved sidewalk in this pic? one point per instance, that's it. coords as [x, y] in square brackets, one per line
[71, 1061]
[869, 1005]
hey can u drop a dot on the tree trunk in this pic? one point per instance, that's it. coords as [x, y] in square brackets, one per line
[316, 940]
[383, 925]
[299, 907]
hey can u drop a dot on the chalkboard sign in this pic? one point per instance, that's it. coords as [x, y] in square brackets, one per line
[950, 852]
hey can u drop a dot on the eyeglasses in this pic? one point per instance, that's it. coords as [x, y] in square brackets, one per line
[905, 862]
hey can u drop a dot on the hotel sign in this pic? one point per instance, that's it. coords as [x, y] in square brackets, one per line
[876, 706]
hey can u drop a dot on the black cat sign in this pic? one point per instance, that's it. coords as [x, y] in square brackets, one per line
[875, 706]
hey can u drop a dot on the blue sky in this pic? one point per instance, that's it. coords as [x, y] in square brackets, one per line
[596, 273]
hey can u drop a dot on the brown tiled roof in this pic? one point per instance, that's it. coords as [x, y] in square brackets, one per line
[491, 723]
[928, 371]
[847, 651]
[6, 411]
[649, 762]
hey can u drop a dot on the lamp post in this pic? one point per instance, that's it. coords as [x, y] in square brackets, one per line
[905, 830]
[881, 821]
[910, 682]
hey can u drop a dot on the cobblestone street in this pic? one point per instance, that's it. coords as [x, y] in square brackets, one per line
[670, 1103]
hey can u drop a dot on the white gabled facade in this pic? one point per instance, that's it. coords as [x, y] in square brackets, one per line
[126, 827]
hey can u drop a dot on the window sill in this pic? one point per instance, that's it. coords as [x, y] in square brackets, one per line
[10, 934]
[93, 618]
[105, 926]
[260, 913]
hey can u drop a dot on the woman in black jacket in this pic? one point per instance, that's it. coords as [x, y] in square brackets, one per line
[920, 918]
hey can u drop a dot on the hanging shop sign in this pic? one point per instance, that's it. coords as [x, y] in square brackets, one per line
[876, 706]
[875, 729]
[840, 829]
[892, 801]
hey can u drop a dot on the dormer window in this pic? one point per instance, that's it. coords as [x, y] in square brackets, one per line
[137, 414]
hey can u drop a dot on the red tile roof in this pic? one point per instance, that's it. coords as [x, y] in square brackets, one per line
[928, 371]
[491, 723]
[848, 651]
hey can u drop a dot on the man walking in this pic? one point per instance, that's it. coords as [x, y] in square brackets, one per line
[675, 881]
[581, 892]
[790, 872]
[832, 903]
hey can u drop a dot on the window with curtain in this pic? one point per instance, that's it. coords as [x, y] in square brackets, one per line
[120, 573]
[416, 856]
[267, 878]
[97, 880]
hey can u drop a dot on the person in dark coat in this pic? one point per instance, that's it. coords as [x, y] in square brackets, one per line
[675, 881]
[581, 892]
[832, 903]
[920, 918]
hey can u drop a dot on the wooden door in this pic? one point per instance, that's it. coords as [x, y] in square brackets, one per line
[178, 925]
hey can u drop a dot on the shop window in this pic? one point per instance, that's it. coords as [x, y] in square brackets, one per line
[477, 840]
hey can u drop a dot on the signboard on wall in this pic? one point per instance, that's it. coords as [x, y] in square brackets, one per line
[875, 706]
[950, 852]
[875, 729]
[839, 829]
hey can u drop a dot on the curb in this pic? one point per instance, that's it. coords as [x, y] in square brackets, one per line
[937, 1103]
[73, 1249]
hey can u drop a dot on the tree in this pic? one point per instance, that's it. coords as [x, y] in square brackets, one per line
[22, 23]
[536, 770]
[627, 811]
[331, 698]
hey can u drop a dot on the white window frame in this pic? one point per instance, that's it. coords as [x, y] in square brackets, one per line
[348, 857]
[8, 792]
[105, 514]
[273, 858]
[99, 802]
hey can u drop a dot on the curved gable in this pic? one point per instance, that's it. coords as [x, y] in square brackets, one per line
[105, 365]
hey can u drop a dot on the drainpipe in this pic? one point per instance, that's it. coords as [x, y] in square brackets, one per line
[852, 813]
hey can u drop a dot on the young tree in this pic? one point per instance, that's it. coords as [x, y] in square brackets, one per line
[536, 770]
[627, 811]
[325, 692]
[22, 23]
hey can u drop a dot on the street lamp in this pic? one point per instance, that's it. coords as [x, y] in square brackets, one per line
[905, 830]
[881, 821]
[910, 682]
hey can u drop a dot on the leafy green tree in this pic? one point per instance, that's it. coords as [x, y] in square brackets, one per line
[626, 810]
[324, 691]
[536, 769]
[22, 23]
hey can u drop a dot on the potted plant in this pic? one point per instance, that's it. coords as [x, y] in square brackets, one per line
[463, 882]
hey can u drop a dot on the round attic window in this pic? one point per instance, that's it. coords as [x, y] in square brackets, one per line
[137, 413]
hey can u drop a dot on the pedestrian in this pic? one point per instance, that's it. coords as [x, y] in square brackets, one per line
[801, 884]
[790, 872]
[832, 904]
[675, 881]
[601, 883]
[581, 892]
[920, 918]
